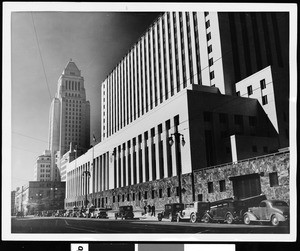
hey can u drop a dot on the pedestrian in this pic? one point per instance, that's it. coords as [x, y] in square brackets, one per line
[149, 209]
[145, 209]
[153, 210]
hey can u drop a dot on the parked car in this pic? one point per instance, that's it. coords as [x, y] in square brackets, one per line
[99, 213]
[80, 214]
[274, 211]
[60, 213]
[68, 213]
[193, 212]
[125, 212]
[20, 214]
[170, 211]
[89, 212]
[228, 210]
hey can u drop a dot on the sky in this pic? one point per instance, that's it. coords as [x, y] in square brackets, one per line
[42, 43]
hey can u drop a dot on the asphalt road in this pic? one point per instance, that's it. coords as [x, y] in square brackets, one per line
[83, 225]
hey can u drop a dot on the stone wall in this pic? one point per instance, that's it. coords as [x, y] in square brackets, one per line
[197, 184]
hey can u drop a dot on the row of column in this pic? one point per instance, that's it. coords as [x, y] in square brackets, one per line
[147, 157]
[162, 62]
[72, 85]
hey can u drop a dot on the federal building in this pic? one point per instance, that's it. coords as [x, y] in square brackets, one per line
[197, 95]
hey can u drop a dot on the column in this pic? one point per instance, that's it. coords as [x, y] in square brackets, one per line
[167, 39]
[150, 141]
[144, 144]
[157, 143]
[133, 163]
[173, 151]
[162, 62]
[165, 142]
[186, 51]
[179, 55]
[193, 47]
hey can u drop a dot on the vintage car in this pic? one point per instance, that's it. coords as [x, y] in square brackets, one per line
[89, 212]
[74, 212]
[59, 213]
[273, 211]
[99, 213]
[125, 212]
[68, 213]
[193, 212]
[170, 212]
[228, 210]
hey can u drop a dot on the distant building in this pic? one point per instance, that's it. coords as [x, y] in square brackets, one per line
[42, 167]
[69, 119]
[40, 195]
[13, 205]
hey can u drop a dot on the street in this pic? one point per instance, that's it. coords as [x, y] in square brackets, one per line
[83, 225]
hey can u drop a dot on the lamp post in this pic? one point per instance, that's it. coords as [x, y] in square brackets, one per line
[177, 136]
[87, 175]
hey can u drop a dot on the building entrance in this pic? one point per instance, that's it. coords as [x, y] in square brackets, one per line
[246, 186]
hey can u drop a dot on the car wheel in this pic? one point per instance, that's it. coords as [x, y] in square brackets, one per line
[193, 218]
[247, 220]
[229, 218]
[274, 220]
[206, 218]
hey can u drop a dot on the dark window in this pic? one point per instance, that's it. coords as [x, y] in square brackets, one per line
[145, 195]
[238, 119]
[210, 187]
[211, 61]
[200, 197]
[263, 84]
[123, 197]
[254, 149]
[264, 100]
[212, 75]
[152, 194]
[206, 13]
[252, 121]
[207, 116]
[169, 192]
[160, 193]
[223, 118]
[208, 36]
[249, 90]
[207, 24]
[177, 191]
[133, 196]
[238, 93]
[128, 197]
[140, 196]
[222, 185]
[209, 49]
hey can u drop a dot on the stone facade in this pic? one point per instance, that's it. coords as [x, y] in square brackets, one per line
[197, 184]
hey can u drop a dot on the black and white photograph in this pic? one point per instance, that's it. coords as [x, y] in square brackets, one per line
[149, 122]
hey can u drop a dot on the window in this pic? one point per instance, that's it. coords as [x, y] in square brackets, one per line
[152, 194]
[128, 197]
[210, 187]
[238, 119]
[160, 193]
[252, 121]
[208, 36]
[200, 197]
[264, 100]
[263, 84]
[177, 191]
[145, 195]
[211, 61]
[223, 117]
[133, 196]
[209, 49]
[273, 177]
[169, 191]
[207, 24]
[212, 75]
[249, 90]
[207, 116]
[222, 185]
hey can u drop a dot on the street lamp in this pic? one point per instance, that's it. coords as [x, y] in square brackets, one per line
[177, 136]
[87, 175]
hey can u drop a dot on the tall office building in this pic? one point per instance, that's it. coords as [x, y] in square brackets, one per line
[69, 119]
[180, 83]
[201, 48]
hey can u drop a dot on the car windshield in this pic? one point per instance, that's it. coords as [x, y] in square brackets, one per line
[280, 204]
[178, 206]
